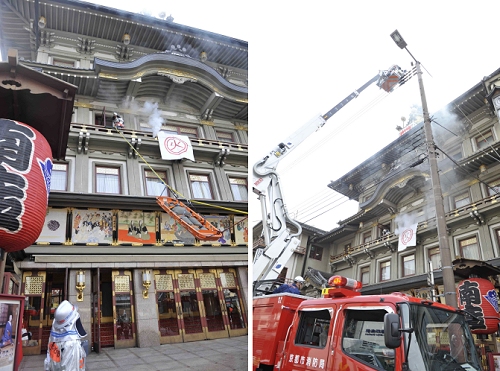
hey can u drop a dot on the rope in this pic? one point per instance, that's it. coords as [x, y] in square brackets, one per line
[175, 192]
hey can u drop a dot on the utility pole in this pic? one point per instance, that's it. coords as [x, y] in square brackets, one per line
[444, 248]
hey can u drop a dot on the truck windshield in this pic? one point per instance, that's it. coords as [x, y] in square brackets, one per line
[441, 339]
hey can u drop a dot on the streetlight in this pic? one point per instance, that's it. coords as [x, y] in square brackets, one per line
[444, 248]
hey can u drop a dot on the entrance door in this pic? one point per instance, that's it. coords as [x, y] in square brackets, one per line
[232, 299]
[191, 306]
[169, 314]
[214, 319]
[96, 311]
[123, 310]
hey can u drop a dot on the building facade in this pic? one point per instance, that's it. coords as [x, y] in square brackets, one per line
[137, 274]
[394, 193]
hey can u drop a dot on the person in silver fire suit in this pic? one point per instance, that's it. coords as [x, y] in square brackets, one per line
[65, 351]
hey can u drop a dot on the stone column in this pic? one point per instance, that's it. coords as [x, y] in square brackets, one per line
[146, 312]
[84, 307]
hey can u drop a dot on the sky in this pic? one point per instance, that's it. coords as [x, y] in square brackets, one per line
[306, 58]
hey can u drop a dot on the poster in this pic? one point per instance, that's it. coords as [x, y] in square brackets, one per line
[241, 230]
[222, 223]
[92, 226]
[9, 320]
[54, 227]
[171, 231]
[136, 227]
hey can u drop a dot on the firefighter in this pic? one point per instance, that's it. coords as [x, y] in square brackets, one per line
[117, 120]
[65, 350]
[293, 288]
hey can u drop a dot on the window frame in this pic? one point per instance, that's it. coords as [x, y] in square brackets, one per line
[316, 252]
[145, 170]
[232, 177]
[230, 133]
[108, 166]
[362, 271]
[387, 264]
[430, 254]
[365, 235]
[460, 245]
[66, 172]
[455, 206]
[489, 133]
[209, 181]
[403, 261]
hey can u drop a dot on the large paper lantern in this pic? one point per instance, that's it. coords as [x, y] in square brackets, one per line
[479, 297]
[25, 169]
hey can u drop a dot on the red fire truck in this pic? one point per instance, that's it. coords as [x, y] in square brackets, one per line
[345, 330]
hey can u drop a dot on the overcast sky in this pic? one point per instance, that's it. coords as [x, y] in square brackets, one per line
[306, 58]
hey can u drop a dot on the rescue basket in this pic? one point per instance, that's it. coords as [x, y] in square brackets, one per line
[197, 225]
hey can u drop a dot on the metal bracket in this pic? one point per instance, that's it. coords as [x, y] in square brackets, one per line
[83, 142]
[135, 144]
[221, 157]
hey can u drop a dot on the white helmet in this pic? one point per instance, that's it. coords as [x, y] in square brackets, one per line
[299, 279]
[67, 318]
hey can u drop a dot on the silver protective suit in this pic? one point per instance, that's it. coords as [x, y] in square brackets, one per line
[65, 351]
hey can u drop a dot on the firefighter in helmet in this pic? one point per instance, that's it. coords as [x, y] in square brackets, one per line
[294, 288]
[65, 350]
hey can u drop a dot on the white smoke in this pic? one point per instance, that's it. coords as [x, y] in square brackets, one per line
[149, 109]
[403, 221]
[154, 116]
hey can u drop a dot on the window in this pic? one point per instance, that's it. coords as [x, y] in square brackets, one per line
[155, 183]
[384, 229]
[107, 180]
[103, 120]
[469, 248]
[493, 187]
[367, 237]
[224, 136]
[239, 188]
[59, 178]
[461, 200]
[435, 258]
[385, 271]
[363, 339]
[365, 275]
[200, 186]
[313, 328]
[408, 265]
[63, 63]
[181, 130]
[484, 140]
[316, 253]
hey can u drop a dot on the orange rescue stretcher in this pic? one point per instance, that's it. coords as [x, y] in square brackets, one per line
[197, 225]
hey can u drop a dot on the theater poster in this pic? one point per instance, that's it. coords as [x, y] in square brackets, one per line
[172, 231]
[92, 226]
[136, 227]
[241, 230]
[54, 227]
[223, 224]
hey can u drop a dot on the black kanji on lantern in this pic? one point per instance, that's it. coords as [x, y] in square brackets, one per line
[16, 153]
[470, 300]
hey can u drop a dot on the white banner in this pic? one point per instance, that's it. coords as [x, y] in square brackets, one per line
[408, 237]
[175, 147]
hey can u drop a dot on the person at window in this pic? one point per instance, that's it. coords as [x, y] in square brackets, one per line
[294, 288]
[7, 333]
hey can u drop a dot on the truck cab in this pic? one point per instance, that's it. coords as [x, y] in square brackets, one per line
[347, 331]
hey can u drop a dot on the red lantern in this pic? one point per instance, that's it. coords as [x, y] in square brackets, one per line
[25, 169]
[479, 297]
